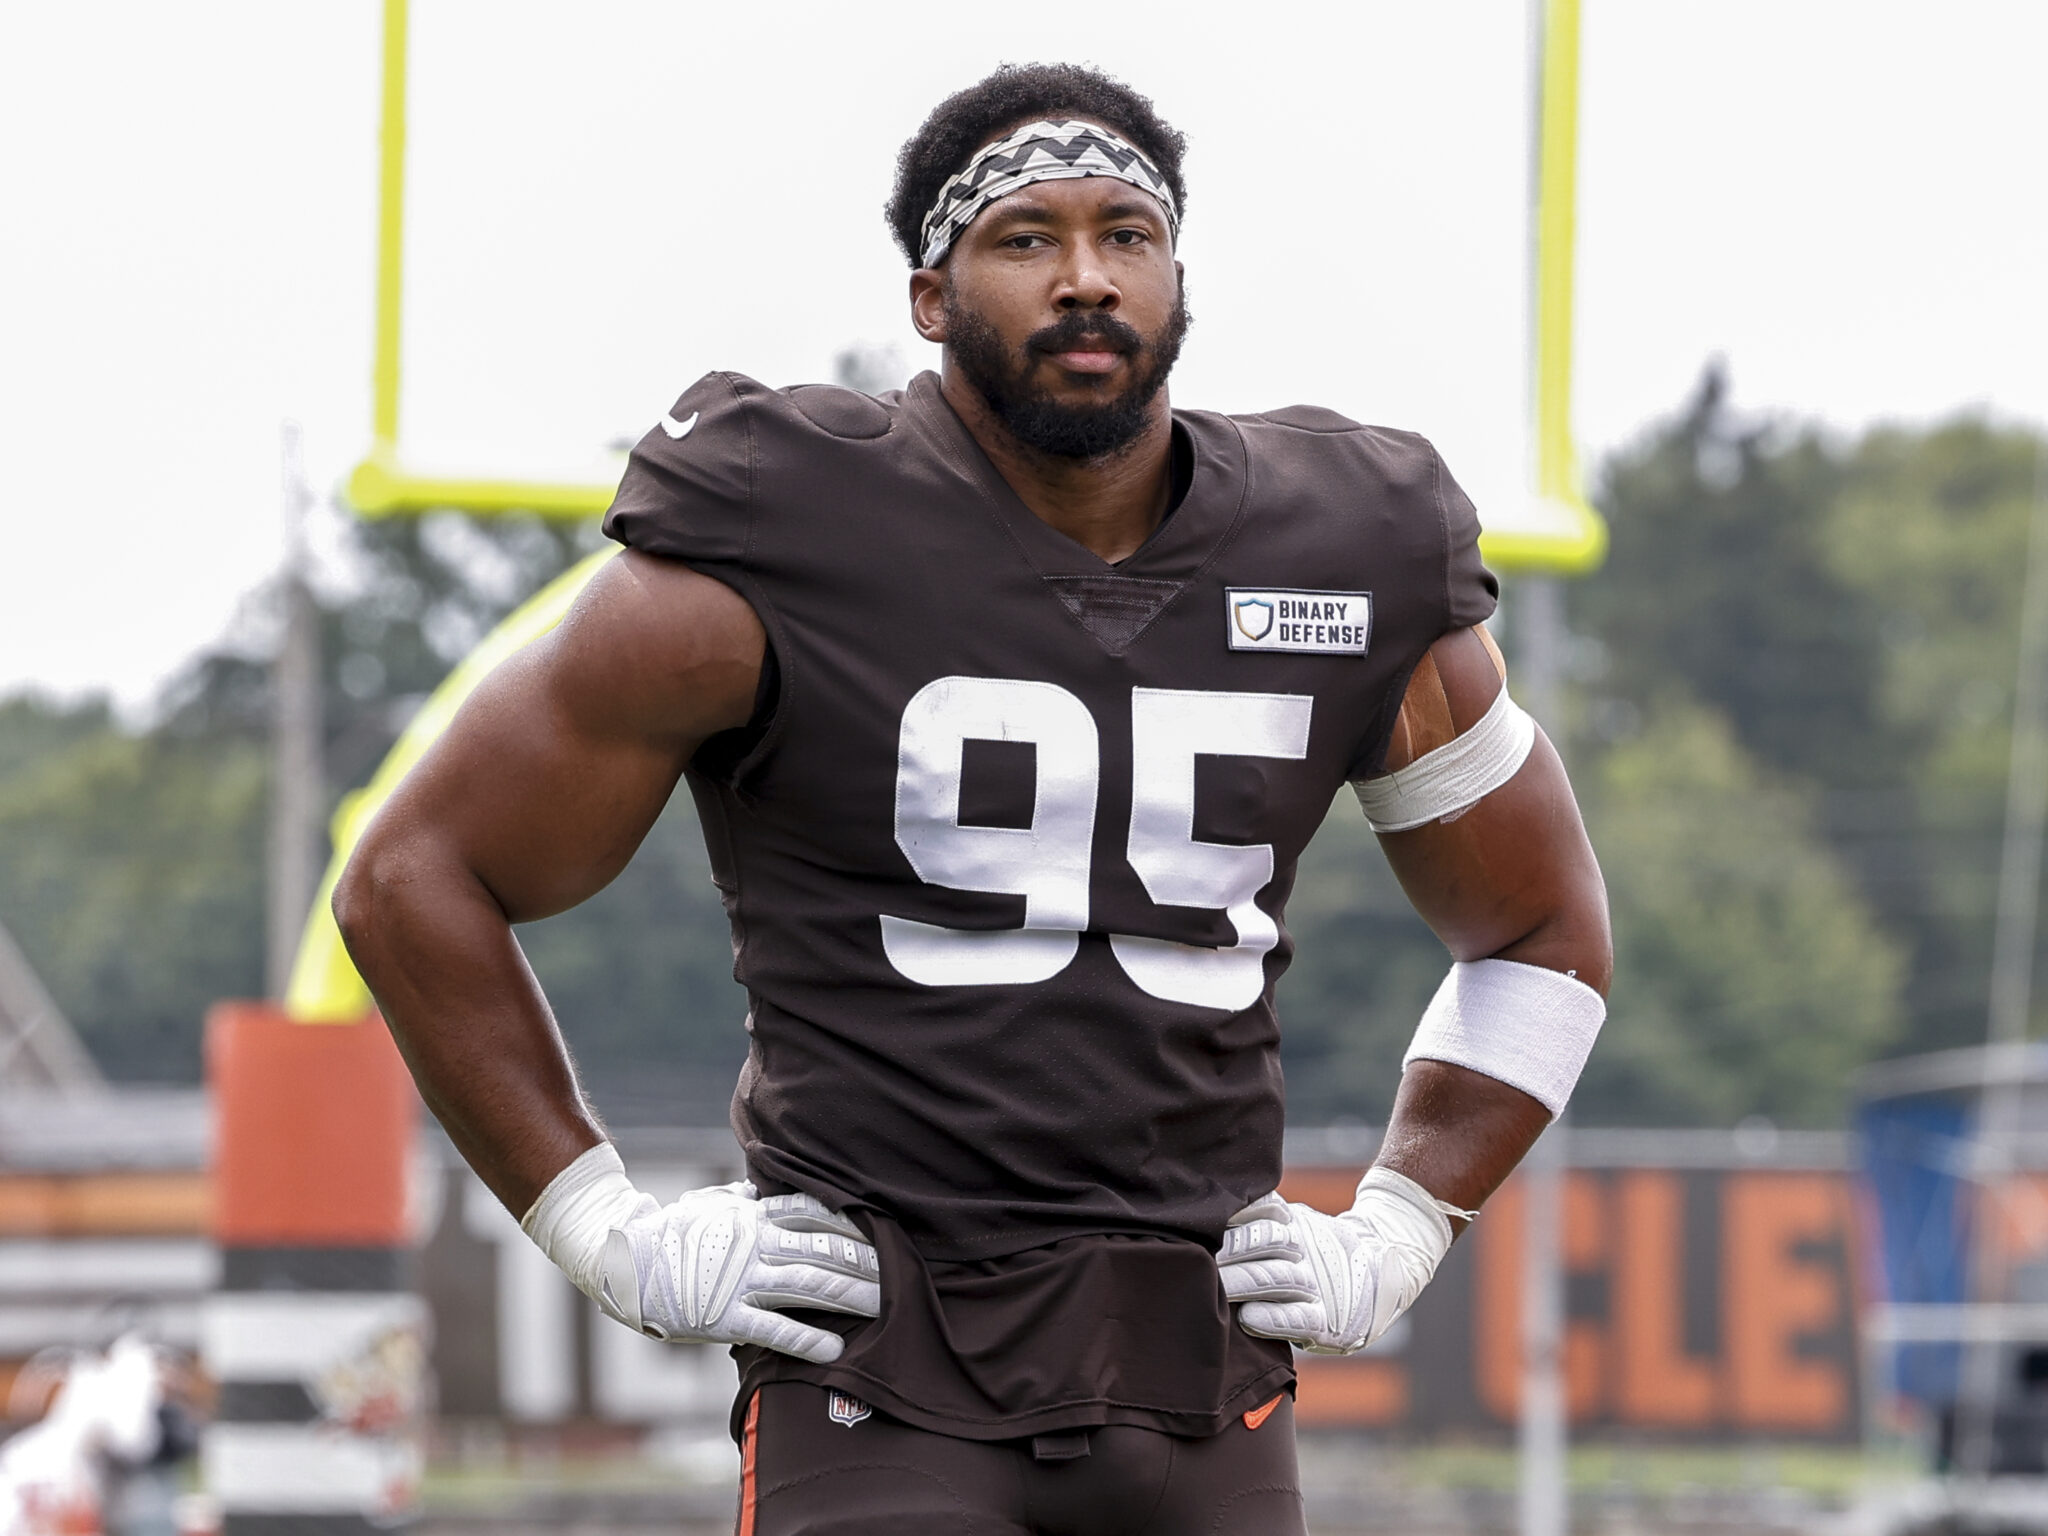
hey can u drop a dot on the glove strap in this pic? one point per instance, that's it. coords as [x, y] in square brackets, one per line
[1434, 1211]
[1415, 1191]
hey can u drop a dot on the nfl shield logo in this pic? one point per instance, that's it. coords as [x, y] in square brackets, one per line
[1254, 618]
[846, 1410]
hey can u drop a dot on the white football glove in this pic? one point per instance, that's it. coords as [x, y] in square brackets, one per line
[1331, 1285]
[706, 1269]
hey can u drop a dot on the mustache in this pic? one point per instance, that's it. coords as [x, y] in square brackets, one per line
[1084, 330]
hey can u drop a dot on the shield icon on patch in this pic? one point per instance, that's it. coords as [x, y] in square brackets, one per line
[1254, 617]
[845, 1409]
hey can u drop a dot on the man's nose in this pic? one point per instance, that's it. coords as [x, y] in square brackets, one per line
[1085, 283]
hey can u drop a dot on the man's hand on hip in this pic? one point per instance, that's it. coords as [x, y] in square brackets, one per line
[710, 1268]
[1331, 1285]
[713, 1267]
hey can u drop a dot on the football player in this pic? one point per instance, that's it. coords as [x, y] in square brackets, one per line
[1008, 702]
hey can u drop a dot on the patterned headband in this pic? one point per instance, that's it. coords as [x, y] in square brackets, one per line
[1043, 151]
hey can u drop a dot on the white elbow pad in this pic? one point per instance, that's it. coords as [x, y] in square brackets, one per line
[1530, 1027]
[1456, 776]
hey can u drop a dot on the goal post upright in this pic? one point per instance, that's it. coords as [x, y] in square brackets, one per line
[391, 121]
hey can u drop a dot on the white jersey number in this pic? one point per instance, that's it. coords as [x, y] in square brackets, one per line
[1047, 863]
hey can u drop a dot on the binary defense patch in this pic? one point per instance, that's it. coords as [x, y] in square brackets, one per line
[1288, 619]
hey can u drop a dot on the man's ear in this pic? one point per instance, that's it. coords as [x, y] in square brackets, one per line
[928, 303]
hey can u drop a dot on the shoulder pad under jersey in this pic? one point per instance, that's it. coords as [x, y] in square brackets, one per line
[1310, 444]
[691, 484]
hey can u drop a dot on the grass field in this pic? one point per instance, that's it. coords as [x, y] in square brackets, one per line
[1353, 1485]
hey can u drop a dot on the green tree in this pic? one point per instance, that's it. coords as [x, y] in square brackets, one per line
[131, 875]
[1930, 530]
[1750, 976]
[131, 858]
[1850, 606]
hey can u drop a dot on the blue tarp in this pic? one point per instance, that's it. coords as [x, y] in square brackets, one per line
[1914, 1152]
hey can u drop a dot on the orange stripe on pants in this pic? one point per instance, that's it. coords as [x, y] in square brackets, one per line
[749, 1439]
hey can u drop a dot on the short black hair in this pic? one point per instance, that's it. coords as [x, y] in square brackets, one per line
[1016, 94]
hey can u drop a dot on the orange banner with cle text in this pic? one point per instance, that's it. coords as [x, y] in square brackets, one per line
[1699, 1302]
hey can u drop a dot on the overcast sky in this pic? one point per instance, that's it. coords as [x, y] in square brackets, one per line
[1842, 198]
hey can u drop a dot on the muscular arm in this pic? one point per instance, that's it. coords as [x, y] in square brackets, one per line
[1512, 878]
[532, 802]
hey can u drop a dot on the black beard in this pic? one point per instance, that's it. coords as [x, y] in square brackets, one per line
[1094, 431]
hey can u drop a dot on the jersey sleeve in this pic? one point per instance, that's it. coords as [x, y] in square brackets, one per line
[1462, 591]
[688, 490]
[1471, 591]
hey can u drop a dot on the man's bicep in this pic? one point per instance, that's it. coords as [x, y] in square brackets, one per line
[1508, 874]
[1464, 665]
[1513, 877]
[554, 770]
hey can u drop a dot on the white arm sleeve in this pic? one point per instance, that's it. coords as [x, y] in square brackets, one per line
[1530, 1027]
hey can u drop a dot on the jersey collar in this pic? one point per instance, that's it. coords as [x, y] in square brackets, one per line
[1186, 541]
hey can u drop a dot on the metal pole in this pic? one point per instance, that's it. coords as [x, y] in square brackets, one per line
[2026, 790]
[295, 774]
[1540, 627]
[1543, 1503]
[1543, 1495]
[2012, 983]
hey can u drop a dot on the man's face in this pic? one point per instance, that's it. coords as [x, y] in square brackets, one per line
[1062, 306]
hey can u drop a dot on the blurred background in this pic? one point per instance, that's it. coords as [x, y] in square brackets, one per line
[1795, 1266]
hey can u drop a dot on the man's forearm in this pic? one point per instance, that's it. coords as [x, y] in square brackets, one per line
[1459, 1133]
[468, 1016]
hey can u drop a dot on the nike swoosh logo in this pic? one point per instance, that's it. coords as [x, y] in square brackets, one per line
[676, 428]
[1254, 1417]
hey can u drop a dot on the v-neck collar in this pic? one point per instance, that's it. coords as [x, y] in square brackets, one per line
[1178, 549]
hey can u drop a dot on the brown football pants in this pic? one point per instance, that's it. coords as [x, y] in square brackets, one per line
[815, 1463]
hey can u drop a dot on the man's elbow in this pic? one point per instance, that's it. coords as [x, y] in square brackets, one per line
[1598, 971]
[365, 892]
[1591, 936]
[1573, 935]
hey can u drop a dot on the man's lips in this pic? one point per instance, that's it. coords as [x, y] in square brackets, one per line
[1087, 359]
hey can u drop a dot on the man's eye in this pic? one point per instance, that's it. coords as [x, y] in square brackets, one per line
[1128, 236]
[1025, 241]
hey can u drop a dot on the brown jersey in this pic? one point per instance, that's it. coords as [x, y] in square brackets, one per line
[1008, 860]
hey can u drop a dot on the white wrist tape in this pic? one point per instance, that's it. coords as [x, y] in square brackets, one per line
[1530, 1027]
[1456, 776]
[577, 1211]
